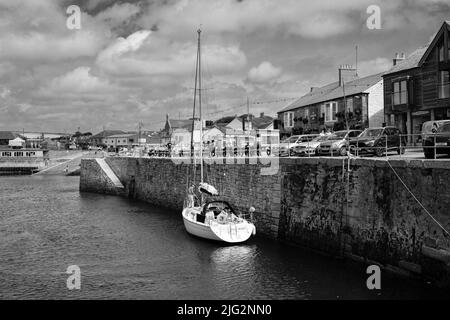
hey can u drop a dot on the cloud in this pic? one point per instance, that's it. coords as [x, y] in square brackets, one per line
[374, 66]
[79, 80]
[318, 19]
[263, 49]
[265, 72]
[142, 54]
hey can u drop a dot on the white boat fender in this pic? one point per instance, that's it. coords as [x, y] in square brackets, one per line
[254, 230]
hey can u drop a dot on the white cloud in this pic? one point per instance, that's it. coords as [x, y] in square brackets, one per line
[265, 72]
[118, 13]
[374, 66]
[142, 54]
[79, 80]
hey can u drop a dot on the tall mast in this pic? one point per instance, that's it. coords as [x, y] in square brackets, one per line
[193, 111]
[199, 31]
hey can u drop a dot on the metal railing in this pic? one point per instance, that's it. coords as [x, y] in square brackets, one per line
[429, 146]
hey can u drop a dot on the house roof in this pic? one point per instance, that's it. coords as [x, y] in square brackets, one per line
[412, 61]
[185, 124]
[126, 135]
[334, 91]
[261, 122]
[7, 135]
[107, 133]
[225, 120]
[444, 28]
[418, 57]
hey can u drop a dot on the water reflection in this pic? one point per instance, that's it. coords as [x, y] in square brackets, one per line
[132, 250]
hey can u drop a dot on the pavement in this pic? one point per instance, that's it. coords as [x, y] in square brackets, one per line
[66, 162]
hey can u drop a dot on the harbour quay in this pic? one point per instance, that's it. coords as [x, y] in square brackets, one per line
[392, 213]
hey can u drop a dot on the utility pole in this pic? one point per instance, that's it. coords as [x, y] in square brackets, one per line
[139, 133]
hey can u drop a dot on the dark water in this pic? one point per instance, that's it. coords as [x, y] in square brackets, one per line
[133, 250]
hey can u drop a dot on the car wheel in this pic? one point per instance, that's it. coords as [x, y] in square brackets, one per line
[429, 153]
[343, 151]
[379, 152]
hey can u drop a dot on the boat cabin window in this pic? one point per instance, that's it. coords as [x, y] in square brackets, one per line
[6, 154]
[30, 154]
[18, 154]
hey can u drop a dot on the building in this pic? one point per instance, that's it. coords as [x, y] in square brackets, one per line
[230, 122]
[5, 136]
[179, 132]
[99, 139]
[417, 88]
[323, 107]
[238, 131]
[126, 140]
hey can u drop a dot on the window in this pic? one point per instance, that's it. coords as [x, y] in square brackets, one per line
[288, 119]
[444, 84]
[441, 52]
[448, 46]
[307, 113]
[18, 154]
[400, 95]
[330, 111]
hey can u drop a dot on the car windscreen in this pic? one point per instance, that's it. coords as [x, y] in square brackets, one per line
[438, 126]
[338, 135]
[322, 138]
[371, 133]
[445, 128]
[290, 140]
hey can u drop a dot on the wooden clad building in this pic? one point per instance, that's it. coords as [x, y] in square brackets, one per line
[417, 88]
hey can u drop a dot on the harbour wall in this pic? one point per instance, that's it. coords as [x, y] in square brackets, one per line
[365, 214]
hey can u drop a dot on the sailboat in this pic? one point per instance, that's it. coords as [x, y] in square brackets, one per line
[214, 219]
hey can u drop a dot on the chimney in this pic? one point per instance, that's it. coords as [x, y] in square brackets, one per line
[261, 114]
[346, 73]
[398, 58]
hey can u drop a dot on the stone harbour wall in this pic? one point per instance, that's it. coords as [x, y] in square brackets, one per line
[365, 214]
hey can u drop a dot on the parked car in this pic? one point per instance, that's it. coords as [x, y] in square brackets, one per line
[338, 143]
[310, 147]
[378, 140]
[287, 145]
[436, 138]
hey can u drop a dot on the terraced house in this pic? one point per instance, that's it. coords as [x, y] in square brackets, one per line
[417, 89]
[353, 100]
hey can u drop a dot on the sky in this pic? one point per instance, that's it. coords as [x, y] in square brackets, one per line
[134, 61]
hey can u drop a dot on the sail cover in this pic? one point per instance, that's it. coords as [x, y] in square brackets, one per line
[208, 189]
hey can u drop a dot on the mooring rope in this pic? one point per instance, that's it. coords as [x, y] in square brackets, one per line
[415, 198]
